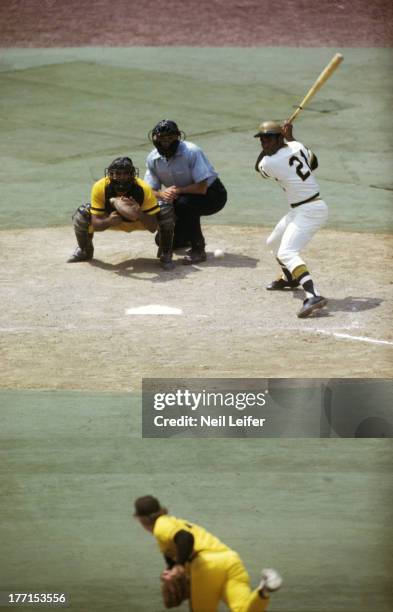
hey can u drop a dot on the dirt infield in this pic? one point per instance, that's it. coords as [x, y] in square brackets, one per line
[247, 23]
[64, 325]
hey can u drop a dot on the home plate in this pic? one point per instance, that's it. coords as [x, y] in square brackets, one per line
[154, 309]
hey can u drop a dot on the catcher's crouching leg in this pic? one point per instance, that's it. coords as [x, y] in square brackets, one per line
[81, 222]
[166, 226]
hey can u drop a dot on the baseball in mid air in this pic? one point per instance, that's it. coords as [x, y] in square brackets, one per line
[219, 253]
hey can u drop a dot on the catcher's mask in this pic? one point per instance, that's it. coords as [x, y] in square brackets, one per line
[121, 172]
[166, 137]
[146, 505]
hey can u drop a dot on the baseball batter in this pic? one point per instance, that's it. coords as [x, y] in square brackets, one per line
[292, 164]
[214, 571]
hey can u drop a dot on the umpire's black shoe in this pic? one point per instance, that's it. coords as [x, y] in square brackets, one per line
[81, 255]
[281, 283]
[311, 304]
[194, 256]
[166, 262]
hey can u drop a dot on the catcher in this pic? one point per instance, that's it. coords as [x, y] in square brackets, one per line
[119, 201]
[200, 567]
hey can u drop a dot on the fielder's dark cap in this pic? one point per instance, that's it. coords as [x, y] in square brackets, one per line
[146, 505]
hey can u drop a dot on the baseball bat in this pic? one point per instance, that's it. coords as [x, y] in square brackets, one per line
[321, 80]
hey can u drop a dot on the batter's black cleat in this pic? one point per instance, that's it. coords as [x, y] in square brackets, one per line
[81, 255]
[167, 262]
[281, 284]
[194, 256]
[310, 305]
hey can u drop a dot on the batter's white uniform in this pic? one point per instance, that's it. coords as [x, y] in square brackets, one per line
[290, 166]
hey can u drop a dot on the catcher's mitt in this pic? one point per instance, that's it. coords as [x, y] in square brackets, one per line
[175, 586]
[127, 208]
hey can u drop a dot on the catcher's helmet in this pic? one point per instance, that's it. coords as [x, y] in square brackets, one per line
[269, 128]
[121, 163]
[124, 165]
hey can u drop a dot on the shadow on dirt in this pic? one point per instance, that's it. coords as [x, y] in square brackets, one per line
[353, 304]
[230, 260]
[141, 268]
[134, 268]
[348, 304]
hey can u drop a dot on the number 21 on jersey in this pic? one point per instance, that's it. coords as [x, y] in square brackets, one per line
[299, 165]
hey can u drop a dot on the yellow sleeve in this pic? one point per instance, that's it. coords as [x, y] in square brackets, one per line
[97, 199]
[165, 529]
[149, 206]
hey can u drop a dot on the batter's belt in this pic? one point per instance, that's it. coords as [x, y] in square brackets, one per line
[314, 197]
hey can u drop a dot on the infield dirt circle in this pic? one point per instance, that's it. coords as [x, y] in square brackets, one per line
[65, 325]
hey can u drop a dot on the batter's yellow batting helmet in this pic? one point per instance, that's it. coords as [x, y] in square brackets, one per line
[268, 128]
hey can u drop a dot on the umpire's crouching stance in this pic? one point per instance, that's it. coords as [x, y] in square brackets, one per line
[200, 567]
[186, 186]
[120, 201]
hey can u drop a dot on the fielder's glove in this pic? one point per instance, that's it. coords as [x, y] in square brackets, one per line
[128, 208]
[175, 586]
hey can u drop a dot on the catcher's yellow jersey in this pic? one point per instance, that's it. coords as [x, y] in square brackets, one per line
[100, 204]
[166, 527]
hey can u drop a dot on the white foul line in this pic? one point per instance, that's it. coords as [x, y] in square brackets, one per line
[360, 338]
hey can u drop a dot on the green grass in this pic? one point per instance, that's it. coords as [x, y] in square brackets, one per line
[72, 464]
[68, 112]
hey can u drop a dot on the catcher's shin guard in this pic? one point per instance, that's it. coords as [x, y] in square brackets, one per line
[166, 227]
[81, 221]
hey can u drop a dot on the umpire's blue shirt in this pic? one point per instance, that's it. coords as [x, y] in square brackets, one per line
[188, 165]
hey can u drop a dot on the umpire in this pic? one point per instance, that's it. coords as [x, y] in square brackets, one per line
[183, 179]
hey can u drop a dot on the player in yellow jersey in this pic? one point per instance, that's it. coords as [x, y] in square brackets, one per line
[216, 572]
[120, 201]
